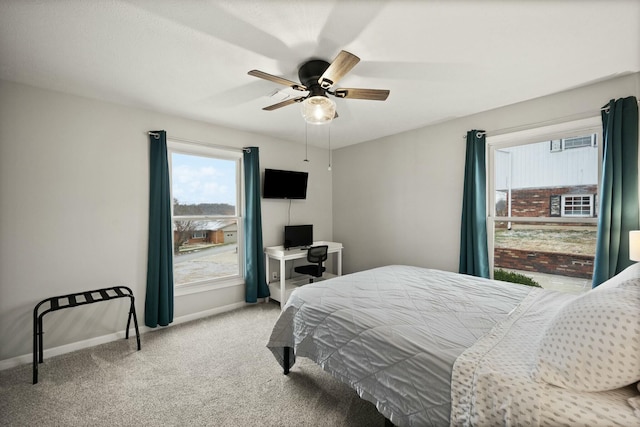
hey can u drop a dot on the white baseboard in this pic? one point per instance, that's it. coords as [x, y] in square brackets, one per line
[91, 342]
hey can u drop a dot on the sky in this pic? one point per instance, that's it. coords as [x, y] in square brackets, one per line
[198, 179]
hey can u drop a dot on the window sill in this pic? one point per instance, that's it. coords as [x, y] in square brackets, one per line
[193, 288]
[550, 219]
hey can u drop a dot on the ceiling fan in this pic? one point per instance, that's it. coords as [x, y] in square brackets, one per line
[318, 77]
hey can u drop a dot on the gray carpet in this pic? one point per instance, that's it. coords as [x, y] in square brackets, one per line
[210, 372]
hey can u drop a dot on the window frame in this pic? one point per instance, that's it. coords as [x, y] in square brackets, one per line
[558, 131]
[199, 234]
[204, 150]
[564, 205]
[592, 143]
[559, 145]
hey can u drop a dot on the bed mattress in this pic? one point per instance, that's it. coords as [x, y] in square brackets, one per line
[393, 333]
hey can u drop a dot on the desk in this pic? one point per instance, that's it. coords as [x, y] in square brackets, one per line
[281, 293]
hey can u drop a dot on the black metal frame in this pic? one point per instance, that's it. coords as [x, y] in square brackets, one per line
[67, 301]
[286, 361]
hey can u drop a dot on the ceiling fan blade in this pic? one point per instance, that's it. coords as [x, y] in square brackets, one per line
[371, 94]
[276, 79]
[284, 103]
[340, 66]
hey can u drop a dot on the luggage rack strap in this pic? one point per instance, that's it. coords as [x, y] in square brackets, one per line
[74, 300]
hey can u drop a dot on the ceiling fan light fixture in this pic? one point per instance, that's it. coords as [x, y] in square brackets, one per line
[318, 109]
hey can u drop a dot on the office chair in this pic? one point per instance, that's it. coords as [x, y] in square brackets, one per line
[316, 255]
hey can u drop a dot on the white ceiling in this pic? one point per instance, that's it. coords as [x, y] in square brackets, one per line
[439, 59]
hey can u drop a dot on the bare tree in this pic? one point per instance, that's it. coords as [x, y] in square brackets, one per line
[184, 229]
[501, 208]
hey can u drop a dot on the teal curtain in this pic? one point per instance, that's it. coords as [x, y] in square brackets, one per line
[158, 304]
[618, 212]
[254, 274]
[474, 254]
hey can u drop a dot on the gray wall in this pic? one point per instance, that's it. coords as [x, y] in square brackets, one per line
[74, 202]
[399, 199]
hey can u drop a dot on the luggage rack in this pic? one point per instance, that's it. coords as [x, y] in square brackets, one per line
[74, 300]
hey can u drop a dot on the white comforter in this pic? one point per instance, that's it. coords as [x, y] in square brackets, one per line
[393, 333]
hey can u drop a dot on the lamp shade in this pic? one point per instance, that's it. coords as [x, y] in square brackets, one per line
[634, 245]
[318, 110]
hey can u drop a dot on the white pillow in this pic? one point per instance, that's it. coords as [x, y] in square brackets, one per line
[593, 342]
[631, 272]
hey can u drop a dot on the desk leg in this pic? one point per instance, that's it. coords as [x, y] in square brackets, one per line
[339, 262]
[266, 272]
[266, 268]
[283, 291]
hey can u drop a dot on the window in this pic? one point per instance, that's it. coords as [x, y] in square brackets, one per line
[542, 193]
[577, 206]
[558, 145]
[199, 235]
[206, 215]
[580, 141]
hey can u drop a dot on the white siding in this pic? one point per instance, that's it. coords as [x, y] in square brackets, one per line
[536, 166]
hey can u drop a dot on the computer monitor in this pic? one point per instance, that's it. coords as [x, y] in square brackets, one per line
[298, 235]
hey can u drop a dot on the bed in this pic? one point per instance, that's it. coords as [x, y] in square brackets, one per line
[432, 348]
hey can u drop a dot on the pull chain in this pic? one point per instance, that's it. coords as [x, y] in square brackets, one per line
[329, 168]
[306, 142]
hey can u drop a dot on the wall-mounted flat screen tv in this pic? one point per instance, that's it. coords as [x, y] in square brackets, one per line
[281, 184]
[298, 236]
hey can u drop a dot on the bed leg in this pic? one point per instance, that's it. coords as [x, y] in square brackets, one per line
[286, 360]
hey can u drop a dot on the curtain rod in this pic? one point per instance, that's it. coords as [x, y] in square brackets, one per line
[557, 120]
[204, 144]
